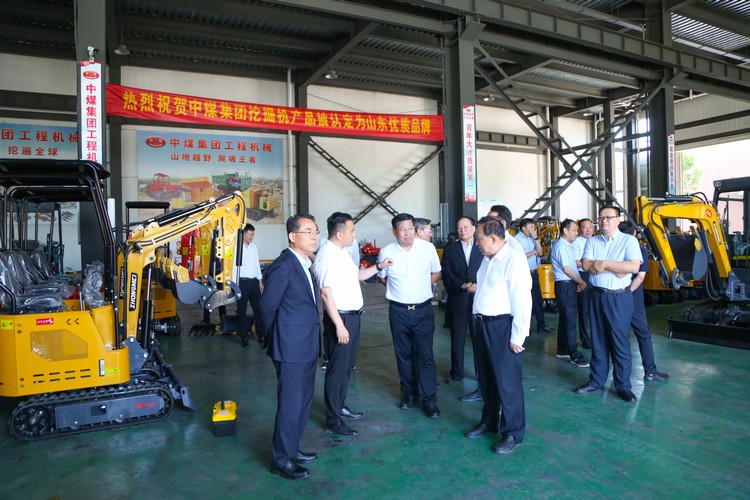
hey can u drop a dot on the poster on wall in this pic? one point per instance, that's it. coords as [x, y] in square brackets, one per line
[469, 154]
[187, 168]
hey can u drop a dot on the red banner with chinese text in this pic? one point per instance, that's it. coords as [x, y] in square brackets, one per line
[144, 104]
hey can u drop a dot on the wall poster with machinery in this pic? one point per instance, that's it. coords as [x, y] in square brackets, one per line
[184, 168]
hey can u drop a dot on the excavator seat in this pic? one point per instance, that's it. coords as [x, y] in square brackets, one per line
[21, 296]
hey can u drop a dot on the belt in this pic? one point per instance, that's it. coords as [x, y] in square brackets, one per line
[482, 317]
[566, 282]
[249, 279]
[411, 307]
[607, 291]
[535, 271]
[358, 312]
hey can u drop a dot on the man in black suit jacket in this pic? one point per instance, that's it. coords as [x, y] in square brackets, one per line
[461, 260]
[290, 309]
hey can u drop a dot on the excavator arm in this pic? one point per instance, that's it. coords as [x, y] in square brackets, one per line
[144, 249]
[686, 257]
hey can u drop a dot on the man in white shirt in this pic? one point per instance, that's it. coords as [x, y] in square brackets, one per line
[585, 232]
[502, 309]
[423, 228]
[251, 288]
[408, 282]
[340, 291]
[532, 248]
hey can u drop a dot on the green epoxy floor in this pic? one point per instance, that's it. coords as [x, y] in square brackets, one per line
[688, 437]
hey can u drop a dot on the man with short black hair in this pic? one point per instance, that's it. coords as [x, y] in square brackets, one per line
[408, 282]
[340, 291]
[502, 310]
[251, 288]
[506, 217]
[532, 248]
[289, 307]
[611, 258]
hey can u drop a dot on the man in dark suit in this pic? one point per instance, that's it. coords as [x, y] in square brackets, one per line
[461, 260]
[290, 309]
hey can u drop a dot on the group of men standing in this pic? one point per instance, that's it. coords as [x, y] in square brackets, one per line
[492, 286]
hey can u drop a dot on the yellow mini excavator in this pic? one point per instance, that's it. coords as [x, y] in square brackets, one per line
[93, 363]
[702, 255]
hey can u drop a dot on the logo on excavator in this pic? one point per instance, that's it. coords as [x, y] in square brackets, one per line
[45, 321]
[708, 212]
[133, 291]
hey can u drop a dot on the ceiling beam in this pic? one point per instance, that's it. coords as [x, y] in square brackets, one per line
[606, 77]
[254, 10]
[341, 48]
[713, 18]
[376, 14]
[168, 49]
[170, 27]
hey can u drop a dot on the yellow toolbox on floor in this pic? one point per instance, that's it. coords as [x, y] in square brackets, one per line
[224, 417]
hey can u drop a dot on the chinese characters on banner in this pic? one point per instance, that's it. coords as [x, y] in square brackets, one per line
[38, 141]
[671, 164]
[470, 155]
[91, 125]
[187, 168]
[162, 106]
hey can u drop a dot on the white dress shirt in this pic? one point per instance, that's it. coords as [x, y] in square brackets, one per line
[335, 269]
[409, 278]
[306, 264]
[504, 287]
[467, 250]
[250, 267]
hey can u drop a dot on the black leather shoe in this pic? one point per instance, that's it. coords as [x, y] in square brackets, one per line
[341, 429]
[291, 471]
[479, 430]
[453, 380]
[587, 389]
[353, 415]
[586, 344]
[505, 445]
[245, 343]
[655, 376]
[627, 396]
[472, 396]
[406, 402]
[544, 329]
[431, 410]
[305, 458]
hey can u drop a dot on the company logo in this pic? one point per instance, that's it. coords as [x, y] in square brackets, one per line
[45, 321]
[90, 75]
[156, 142]
[122, 283]
[133, 291]
[708, 212]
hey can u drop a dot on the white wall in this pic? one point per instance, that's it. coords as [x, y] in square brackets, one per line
[705, 106]
[37, 74]
[379, 164]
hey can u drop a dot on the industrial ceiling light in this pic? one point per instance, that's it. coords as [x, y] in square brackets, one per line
[488, 98]
[122, 50]
[588, 113]
[331, 75]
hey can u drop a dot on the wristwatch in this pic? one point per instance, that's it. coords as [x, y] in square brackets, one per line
[377, 266]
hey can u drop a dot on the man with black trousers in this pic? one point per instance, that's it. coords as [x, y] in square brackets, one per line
[611, 258]
[408, 282]
[532, 247]
[638, 321]
[502, 310]
[289, 306]
[338, 278]
[251, 288]
[461, 260]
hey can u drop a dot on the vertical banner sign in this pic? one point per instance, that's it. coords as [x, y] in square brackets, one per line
[91, 125]
[671, 164]
[470, 155]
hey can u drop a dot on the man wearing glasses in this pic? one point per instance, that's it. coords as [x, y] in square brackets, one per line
[408, 282]
[290, 310]
[611, 258]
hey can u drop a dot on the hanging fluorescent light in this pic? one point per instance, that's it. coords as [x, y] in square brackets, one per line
[488, 98]
[331, 75]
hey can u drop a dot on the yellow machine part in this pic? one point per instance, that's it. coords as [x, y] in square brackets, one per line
[54, 352]
[165, 303]
[546, 281]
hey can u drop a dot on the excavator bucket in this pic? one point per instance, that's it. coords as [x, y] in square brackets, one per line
[707, 333]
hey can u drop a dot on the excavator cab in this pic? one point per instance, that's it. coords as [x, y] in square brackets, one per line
[93, 363]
